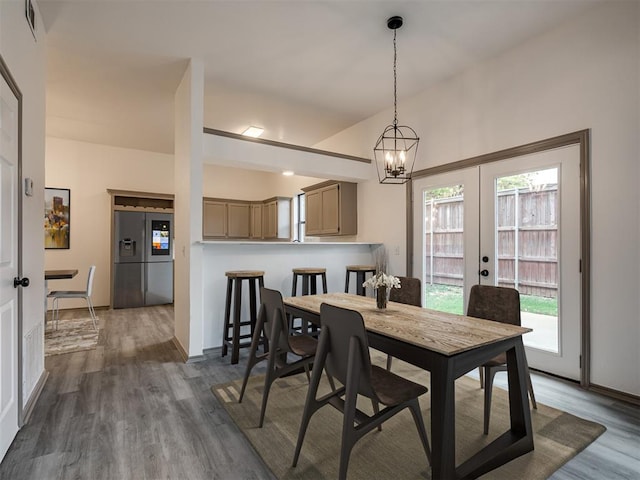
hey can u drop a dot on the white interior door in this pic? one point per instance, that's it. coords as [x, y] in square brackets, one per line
[8, 266]
[513, 223]
[530, 240]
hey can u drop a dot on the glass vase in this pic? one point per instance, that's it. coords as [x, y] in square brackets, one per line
[381, 297]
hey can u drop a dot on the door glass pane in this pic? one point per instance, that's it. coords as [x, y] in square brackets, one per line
[527, 220]
[443, 248]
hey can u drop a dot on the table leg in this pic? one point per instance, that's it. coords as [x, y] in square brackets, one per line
[520, 415]
[516, 441]
[443, 421]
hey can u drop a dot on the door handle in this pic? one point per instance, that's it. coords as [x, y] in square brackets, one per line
[484, 273]
[20, 282]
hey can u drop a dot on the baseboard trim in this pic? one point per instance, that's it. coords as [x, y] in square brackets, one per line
[196, 359]
[212, 350]
[618, 395]
[606, 391]
[33, 399]
[180, 348]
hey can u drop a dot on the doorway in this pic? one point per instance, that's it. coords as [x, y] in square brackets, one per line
[10, 307]
[516, 218]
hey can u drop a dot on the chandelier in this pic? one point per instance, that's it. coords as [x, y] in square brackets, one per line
[395, 150]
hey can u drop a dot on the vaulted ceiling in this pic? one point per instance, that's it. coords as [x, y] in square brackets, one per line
[302, 69]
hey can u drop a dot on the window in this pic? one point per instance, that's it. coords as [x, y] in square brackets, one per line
[299, 218]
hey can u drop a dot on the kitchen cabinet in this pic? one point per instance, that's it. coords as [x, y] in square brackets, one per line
[276, 218]
[238, 219]
[256, 221]
[241, 219]
[331, 209]
[214, 218]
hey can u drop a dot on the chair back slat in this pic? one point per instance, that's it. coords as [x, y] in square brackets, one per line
[341, 325]
[500, 304]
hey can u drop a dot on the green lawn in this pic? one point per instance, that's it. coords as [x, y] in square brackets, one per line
[447, 298]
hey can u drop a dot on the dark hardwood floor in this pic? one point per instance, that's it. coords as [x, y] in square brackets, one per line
[131, 409]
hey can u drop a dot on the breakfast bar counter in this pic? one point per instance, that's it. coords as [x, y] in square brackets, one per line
[276, 259]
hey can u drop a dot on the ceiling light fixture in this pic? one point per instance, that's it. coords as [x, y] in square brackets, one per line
[287, 173]
[395, 150]
[253, 132]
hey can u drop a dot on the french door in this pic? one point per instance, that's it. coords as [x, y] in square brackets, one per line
[513, 223]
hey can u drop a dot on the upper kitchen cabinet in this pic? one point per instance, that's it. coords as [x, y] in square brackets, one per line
[225, 218]
[331, 209]
[238, 219]
[214, 218]
[241, 219]
[256, 221]
[276, 218]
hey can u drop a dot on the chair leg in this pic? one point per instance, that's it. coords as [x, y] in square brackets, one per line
[56, 313]
[51, 318]
[345, 454]
[481, 370]
[331, 382]
[270, 375]
[489, 373]
[311, 404]
[389, 358]
[253, 351]
[268, 380]
[414, 408]
[376, 410]
[92, 312]
[349, 434]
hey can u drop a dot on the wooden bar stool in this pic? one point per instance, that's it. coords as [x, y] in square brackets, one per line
[232, 335]
[360, 271]
[310, 278]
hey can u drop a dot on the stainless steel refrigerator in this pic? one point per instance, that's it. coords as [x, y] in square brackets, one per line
[143, 259]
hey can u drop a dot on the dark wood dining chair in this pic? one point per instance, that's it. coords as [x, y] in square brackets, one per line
[273, 327]
[343, 351]
[409, 293]
[499, 304]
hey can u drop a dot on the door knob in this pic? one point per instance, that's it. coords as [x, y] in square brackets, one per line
[484, 273]
[485, 259]
[20, 282]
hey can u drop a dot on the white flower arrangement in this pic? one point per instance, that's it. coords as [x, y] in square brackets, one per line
[381, 279]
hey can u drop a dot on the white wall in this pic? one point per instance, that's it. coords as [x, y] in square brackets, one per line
[88, 170]
[253, 185]
[189, 104]
[584, 74]
[25, 58]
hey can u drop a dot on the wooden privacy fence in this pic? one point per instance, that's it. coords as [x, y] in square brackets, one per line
[527, 241]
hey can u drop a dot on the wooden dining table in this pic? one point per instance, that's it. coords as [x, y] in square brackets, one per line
[448, 346]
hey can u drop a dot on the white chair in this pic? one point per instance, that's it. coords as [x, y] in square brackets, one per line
[86, 294]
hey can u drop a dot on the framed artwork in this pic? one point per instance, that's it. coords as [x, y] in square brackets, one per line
[56, 217]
